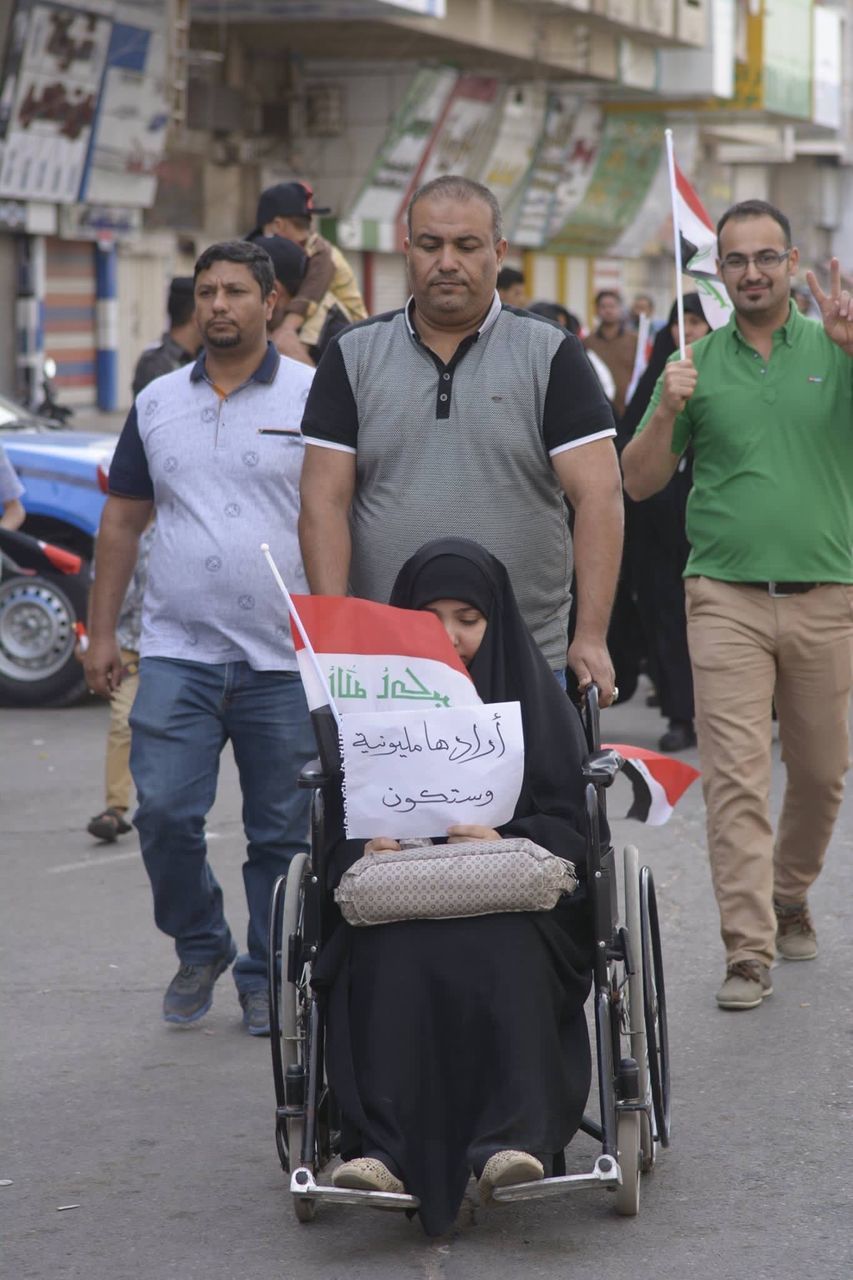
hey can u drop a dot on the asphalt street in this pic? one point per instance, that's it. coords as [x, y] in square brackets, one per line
[131, 1149]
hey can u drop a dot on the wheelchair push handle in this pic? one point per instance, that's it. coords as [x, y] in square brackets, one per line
[591, 717]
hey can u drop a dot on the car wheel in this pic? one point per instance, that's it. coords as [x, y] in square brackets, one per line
[37, 639]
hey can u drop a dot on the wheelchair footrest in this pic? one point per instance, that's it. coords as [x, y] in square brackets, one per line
[605, 1172]
[302, 1183]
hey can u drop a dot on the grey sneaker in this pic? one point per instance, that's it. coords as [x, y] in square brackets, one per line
[746, 985]
[795, 935]
[256, 1011]
[190, 993]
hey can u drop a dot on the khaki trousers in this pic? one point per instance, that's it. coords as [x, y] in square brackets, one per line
[119, 781]
[748, 649]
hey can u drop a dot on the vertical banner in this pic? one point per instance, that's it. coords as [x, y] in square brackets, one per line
[529, 219]
[522, 116]
[627, 162]
[374, 218]
[459, 142]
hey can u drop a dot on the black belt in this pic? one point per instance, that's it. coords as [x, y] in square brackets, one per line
[784, 588]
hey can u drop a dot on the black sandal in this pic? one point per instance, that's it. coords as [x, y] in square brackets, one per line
[108, 826]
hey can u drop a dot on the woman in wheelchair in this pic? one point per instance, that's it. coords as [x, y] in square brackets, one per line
[459, 1045]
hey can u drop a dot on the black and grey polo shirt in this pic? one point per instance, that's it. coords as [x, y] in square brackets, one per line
[462, 449]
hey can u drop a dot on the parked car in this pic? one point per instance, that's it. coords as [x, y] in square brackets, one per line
[64, 473]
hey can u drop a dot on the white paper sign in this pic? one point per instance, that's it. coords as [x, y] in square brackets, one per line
[416, 773]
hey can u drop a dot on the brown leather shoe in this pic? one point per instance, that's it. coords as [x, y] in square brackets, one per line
[795, 935]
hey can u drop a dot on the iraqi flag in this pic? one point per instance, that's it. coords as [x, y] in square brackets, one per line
[658, 782]
[699, 252]
[377, 658]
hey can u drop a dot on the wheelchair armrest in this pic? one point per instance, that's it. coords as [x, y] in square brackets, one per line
[312, 776]
[601, 767]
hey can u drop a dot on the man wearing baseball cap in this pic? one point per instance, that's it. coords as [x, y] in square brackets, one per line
[286, 210]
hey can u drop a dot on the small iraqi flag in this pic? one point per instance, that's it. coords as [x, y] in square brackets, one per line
[658, 782]
[378, 658]
[699, 252]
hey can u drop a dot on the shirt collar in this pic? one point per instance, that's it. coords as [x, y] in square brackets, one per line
[265, 372]
[788, 330]
[490, 318]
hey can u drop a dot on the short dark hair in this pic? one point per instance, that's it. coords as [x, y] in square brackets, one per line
[608, 293]
[755, 209]
[246, 254]
[558, 314]
[289, 261]
[458, 188]
[508, 276]
[181, 302]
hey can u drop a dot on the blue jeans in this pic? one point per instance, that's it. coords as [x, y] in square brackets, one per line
[183, 715]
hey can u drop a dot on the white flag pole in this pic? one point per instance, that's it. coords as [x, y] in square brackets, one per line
[676, 234]
[318, 670]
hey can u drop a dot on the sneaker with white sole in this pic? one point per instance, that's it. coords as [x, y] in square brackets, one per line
[795, 935]
[508, 1169]
[747, 983]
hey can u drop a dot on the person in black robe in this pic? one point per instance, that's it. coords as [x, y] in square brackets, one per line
[658, 548]
[451, 1041]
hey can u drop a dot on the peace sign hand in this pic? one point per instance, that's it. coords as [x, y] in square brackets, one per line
[836, 307]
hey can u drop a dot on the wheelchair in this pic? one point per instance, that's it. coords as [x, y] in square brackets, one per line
[628, 994]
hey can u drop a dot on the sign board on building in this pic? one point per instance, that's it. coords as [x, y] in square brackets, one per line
[133, 112]
[85, 101]
[51, 85]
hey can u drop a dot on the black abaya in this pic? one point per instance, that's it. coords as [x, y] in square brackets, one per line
[450, 1040]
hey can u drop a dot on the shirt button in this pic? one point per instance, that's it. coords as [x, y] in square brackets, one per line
[442, 396]
[446, 377]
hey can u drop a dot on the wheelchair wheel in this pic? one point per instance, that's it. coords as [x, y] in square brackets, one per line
[290, 1011]
[630, 1154]
[636, 1007]
[654, 1007]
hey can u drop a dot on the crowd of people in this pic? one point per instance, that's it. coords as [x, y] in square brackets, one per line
[474, 417]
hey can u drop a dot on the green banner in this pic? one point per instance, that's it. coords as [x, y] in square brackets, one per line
[628, 159]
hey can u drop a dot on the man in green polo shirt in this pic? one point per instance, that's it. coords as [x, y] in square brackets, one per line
[766, 403]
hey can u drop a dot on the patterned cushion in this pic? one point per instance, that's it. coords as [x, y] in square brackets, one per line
[441, 882]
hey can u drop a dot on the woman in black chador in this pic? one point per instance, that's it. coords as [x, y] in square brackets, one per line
[461, 1045]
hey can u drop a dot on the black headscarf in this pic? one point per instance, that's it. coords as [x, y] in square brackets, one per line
[509, 667]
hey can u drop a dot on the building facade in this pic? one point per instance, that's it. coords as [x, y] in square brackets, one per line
[181, 112]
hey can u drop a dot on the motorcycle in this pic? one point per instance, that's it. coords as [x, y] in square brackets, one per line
[50, 406]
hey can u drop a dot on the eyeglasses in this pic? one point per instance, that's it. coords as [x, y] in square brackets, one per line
[765, 260]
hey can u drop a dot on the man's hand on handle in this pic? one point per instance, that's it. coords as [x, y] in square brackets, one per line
[591, 663]
[102, 665]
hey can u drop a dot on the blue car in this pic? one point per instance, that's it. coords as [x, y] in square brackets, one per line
[64, 473]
